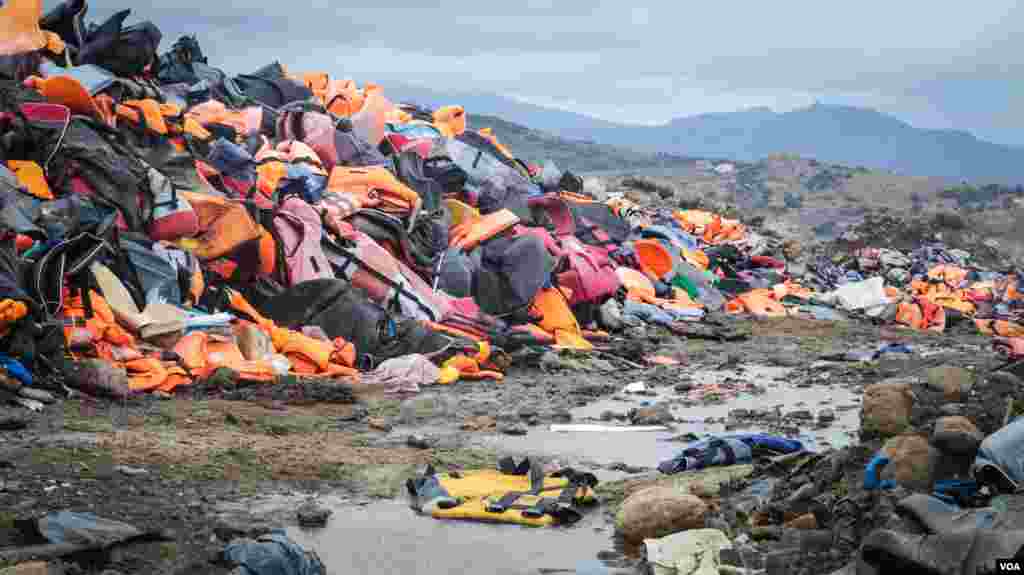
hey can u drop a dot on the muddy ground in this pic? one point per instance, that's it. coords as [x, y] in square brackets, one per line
[202, 469]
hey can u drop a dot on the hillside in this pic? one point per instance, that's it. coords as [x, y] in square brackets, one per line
[581, 157]
[840, 134]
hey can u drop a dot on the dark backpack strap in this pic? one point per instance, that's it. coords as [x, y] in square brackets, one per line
[504, 503]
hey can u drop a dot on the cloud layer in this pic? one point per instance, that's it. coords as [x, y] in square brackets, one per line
[949, 65]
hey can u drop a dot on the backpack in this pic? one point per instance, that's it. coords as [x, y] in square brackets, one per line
[270, 87]
[330, 138]
[344, 311]
[588, 272]
[386, 280]
[298, 231]
[126, 52]
[108, 170]
[409, 167]
[177, 66]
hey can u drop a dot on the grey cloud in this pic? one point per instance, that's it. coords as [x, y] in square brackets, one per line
[943, 64]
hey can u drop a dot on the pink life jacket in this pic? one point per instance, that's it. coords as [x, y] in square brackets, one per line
[589, 272]
[299, 232]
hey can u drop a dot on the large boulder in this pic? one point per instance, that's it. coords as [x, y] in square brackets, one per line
[955, 383]
[659, 511]
[956, 441]
[957, 424]
[910, 461]
[886, 409]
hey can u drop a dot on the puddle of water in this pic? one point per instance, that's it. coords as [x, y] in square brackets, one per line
[388, 537]
[647, 449]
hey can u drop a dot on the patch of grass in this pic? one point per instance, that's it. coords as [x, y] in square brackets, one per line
[383, 407]
[79, 418]
[334, 472]
[363, 440]
[292, 424]
[85, 461]
[1016, 408]
[384, 481]
[235, 463]
[464, 458]
[7, 519]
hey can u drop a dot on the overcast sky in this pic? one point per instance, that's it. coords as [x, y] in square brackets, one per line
[933, 64]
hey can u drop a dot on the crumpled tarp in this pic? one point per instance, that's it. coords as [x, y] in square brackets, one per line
[868, 295]
[85, 529]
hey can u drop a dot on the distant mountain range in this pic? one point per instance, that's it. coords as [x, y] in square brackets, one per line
[839, 134]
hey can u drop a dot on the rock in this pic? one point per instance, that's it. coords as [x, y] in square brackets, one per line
[806, 491]
[886, 409]
[657, 415]
[635, 333]
[950, 409]
[625, 468]
[610, 315]
[684, 387]
[40, 395]
[909, 461]
[955, 383]
[608, 415]
[379, 423]
[420, 441]
[957, 424]
[358, 413]
[479, 423]
[826, 416]
[659, 511]
[12, 423]
[561, 416]
[312, 515]
[806, 521]
[802, 414]
[528, 412]
[1005, 379]
[229, 529]
[130, 471]
[513, 429]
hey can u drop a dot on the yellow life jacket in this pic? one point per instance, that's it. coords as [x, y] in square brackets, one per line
[493, 496]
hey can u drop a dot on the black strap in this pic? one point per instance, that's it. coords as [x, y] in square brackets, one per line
[504, 503]
[349, 257]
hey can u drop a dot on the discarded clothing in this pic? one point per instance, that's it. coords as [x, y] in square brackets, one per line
[272, 554]
[404, 375]
[636, 311]
[1000, 460]
[726, 450]
[85, 529]
[696, 552]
